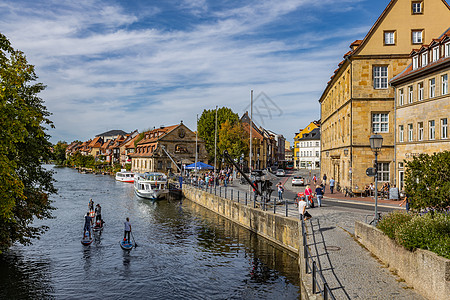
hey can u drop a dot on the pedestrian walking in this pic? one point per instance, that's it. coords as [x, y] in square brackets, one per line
[331, 185]
[319, 194]
[280, 191]
[324, 182]
[308, 196]
[405, 201]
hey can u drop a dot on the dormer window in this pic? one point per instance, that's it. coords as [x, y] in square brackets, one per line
[389, 37]
[417, 7]
[415, 62]
[447, 49]
[424, 59]
[436, 53]
[417, 36]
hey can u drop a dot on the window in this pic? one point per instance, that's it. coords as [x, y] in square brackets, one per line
[380, 77]
[417, 7]
[380, 123]
[444, 129]
[444, 80]
[410, 132]
[432, 88]
[415, 62]
[420, 91]
[424, 59]
[383, 171]
[420, 131]
[389, 37]
[417, 36]
[432, 132]
[401, 97]
[410, 94]
[436, 53]
[317, 153]
[400, 133]
[447, 49]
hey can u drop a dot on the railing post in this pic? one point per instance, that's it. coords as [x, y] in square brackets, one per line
[326, 290]
[314, 287]
[220, 191]
[274, 205]
[286, 206]
[245, 198]
[226, 192]
[238, 196]
[231, 194]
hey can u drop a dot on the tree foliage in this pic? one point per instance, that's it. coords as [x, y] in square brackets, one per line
[24, 183]
[234, 139]
[207, 123]
[80, 160]
[59, 153]
[427, 181]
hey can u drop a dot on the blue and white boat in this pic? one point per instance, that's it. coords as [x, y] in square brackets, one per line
[151, 185]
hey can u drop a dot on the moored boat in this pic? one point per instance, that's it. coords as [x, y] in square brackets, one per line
[126, 245]
[151, 185]
[125, 176]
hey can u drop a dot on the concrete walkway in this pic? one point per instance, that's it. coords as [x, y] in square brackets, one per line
[350, 270]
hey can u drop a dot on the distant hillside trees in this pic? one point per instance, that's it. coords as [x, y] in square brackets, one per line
[25, 184]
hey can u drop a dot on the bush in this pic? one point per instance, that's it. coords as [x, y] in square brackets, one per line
[393, 222]
[430, 231]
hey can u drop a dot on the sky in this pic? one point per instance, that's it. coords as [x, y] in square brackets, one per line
[139, 64]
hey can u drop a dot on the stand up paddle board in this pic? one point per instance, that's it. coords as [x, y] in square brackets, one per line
[126, 245]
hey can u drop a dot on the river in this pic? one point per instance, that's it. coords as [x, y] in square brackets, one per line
[184, 251]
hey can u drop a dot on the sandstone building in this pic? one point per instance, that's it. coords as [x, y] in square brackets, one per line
[423, 103]
[178, 140]
[358, 100]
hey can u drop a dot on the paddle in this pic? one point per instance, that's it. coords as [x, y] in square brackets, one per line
[133, 239]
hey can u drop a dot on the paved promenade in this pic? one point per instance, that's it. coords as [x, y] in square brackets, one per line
[351, 271]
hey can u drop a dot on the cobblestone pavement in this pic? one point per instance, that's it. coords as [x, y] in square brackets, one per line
[350, 270]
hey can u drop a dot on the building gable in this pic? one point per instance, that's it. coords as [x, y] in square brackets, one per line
[398, 18]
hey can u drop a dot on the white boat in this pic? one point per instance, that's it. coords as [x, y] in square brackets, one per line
[125, 176]
[151, 185]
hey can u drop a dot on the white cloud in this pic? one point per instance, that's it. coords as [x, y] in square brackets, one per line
[103, 72]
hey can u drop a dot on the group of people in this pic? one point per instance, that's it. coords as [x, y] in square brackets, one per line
[224, 177]
[89, 221]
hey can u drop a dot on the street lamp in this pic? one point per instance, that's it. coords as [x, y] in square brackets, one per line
[376, 142]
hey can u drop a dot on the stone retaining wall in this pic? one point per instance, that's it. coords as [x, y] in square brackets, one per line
[283, 231]
[427, 272]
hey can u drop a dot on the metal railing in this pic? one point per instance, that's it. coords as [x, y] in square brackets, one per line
[319, 284]
[230, 193]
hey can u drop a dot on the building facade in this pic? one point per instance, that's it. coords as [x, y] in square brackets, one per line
[358, 100]
[178, 141]
[311, 126]
[423, 104]
[309, 149]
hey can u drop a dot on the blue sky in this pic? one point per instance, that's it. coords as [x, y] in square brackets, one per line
[137, 64]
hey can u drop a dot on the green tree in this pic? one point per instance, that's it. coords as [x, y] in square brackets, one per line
[427, 181]
[234, 139]
[207, 123]
[25, 184]
[59, 153]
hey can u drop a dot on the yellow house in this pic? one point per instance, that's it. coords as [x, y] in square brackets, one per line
[358, 100]
[311, 126]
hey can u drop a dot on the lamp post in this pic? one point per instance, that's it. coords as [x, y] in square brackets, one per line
[376, 142]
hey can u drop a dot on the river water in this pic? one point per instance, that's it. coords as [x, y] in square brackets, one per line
[184, 251]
